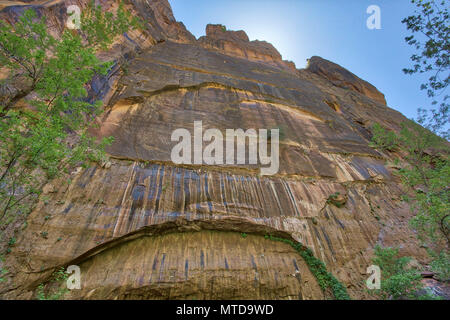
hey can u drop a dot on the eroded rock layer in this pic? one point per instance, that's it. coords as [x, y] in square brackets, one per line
[203, 265]
[111, 220]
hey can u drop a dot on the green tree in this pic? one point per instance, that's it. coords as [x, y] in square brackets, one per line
[398, 280]
[427, 170]
[47, 134]
[430, 33]
[425, 176]
[383, 139]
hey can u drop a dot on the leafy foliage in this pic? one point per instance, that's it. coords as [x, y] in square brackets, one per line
[334, 200]
[50, 135]
[383, 139]
[426, 178]
[428, 172]
[100, 27]
[441, 265]
[325, 279]
[3, 270]
[397, 280]
[58, 277]
[430, 33]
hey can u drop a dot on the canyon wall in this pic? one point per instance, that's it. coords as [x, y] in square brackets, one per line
[142, 227]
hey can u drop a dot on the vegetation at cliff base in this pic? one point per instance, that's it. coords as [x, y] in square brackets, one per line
[324, 278]
[58, 278]
[425, 174]
[399, 280]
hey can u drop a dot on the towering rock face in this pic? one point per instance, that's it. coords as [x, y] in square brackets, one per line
[144, 227]
[237, 44]
[343, 78]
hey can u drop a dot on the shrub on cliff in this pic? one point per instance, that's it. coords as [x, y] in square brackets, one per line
[397, 280]
[383, 139]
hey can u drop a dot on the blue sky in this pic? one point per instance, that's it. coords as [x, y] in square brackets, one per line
[334, 30]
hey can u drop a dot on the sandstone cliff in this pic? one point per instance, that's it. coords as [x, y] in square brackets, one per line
[142, 227]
